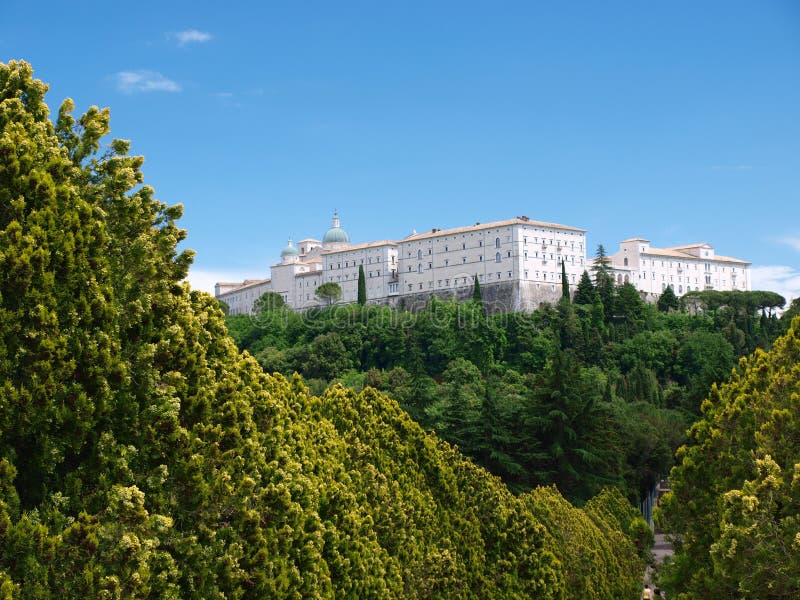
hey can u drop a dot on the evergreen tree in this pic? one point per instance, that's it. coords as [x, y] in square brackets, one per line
[329, 291]
[268, 301]
[584, 294]
[477, 295]
[564, 282]
[362, 286]
[734, 504]
[604, 281]
[668, 301]
[142, 455]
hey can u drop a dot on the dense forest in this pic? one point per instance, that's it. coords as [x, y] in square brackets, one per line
[142, 455]
[597, 390]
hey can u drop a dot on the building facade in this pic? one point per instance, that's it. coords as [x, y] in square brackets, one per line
[518, 263]
[695, 267]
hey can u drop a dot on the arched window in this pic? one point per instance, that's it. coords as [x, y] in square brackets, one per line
[497, 257]
[419, 254]
[496, 242]
[625, 261]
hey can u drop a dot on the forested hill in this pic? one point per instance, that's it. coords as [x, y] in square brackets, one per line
[597, 390]
[141, 455]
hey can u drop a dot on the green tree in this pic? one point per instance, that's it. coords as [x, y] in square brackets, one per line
[362, 286]
[477, 295]
[268, 301]
[604, 281]
[329, 292]
[734, 504]
[584, 293]
[564, 281]
[668, 301]
[142, 455]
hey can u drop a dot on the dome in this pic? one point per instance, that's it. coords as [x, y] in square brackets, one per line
[336, 235]
[289, 250]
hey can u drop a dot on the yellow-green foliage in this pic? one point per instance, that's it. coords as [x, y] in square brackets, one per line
[735, 499]
[142, 456]
[597, 558]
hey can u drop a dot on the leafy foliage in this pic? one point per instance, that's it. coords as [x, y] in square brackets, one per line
[141, 455]
[735, 499]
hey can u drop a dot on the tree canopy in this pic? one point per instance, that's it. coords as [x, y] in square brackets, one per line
[734, 505]
[142, 455]
[329, 291]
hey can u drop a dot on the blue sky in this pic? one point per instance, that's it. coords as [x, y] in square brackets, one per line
[675, 121]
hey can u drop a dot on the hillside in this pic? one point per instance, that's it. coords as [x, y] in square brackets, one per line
[141, 455]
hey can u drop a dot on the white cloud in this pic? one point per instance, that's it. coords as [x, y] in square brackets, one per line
[192, 36]
[200, 279]
[792, 242]
[144, 81]
[781, 279]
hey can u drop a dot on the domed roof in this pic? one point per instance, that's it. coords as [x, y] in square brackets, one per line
[336, 235]
[289, 250]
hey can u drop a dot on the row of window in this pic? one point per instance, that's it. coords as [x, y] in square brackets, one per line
[688, 265]
[361, 261]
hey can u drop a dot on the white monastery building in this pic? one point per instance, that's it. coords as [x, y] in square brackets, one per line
[517, 261]
[685, 268]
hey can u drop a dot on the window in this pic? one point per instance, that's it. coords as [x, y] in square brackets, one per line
[480, 259]
[509, 254]
[480, 243]
[526, 255]
[430, 265]
[420, 285]
[625, 261]
[496, 242]
[446, 262]
[419, 254]
[497, 257]
[419, 268]
[463, 246]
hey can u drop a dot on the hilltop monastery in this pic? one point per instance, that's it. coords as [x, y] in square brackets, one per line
[517, 261]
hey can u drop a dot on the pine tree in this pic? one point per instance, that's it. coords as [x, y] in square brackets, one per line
[604, 281]
[668, 301]
[477, 295]
[584, 294]
[362, 286]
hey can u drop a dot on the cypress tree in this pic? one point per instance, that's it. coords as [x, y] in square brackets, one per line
[564, 281]
[362, 286]
[584, 294]
[477, 295]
